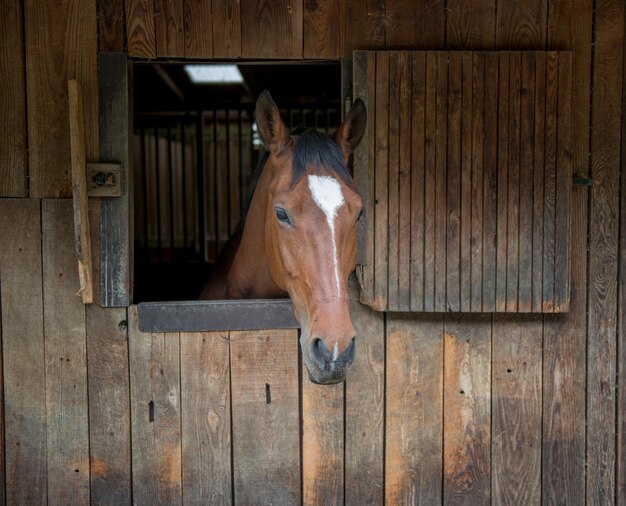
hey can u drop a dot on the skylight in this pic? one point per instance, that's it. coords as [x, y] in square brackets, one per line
[214, 74]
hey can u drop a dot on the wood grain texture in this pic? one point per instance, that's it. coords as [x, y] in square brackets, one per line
[516, 405]
[198, 27]
[322, 442]
[414, 408]
[418, 181]
[471, 25]
[273, 29]
[61, 44]
[13, 160]
[521, 25]
[467, 407]
[364, 26]
[169, 28]
[381, 183]
[606, 141]
[321, 29]
[405, 27]
[109, 394]
[468, 216]
[226, 28]
[65, 358]
[155, 415]
[490, 182]
[23, 351]
[404, 184]
[111, 26]
[564, 351]
[205, 418]
[393, 177]
[78, 162]
[364, 409]
[264, 367]
[440, 169]
[453, 184]
[140, 28]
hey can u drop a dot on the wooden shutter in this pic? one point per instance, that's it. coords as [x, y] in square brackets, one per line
[466, 171]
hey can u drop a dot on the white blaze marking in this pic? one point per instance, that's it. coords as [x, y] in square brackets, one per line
[336, 352]
[326, 192]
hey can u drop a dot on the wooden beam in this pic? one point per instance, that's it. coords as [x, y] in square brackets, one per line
[79, 190]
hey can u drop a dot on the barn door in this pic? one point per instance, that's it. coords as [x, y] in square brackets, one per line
[466, 170]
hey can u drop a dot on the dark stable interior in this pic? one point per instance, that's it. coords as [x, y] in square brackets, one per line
[195, 150]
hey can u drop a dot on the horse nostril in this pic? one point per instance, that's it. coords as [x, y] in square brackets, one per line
[349, 352]
[320, 352]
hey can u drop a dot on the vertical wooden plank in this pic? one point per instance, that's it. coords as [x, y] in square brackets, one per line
[526, 182]
[13, 168]
[168, 28]
[381, 195]
[111, 26]
[205, 418]
[538, 161]
[466, 399]
[441, 161]
[502, 178]
[564, 350]
[198, 26]
[429, 183]
[413, 442]
[23, 351]
[226, 28]
[264, 376]
[603, 253]
[364, 25]
[466, 209]
[66, 360]
[78, 162]
[273, 29]
[365, 409]
[453, 184]
[406, 27]
[393, 168]
[321, 30]
[418, 181]
[549, 178]
[116, 231]
[364, 83]
[516, 405]
[155, 414]
[322, 442]
[513, 178]
[563, 184]
[521, 25]
[140, 28]
[54, 54]
[404, 185]
[471, 25]
[109, 394]
[490, 183]
[477, 189]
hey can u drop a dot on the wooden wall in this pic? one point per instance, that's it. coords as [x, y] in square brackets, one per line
[458, 409]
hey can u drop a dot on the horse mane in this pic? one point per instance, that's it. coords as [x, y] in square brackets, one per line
[312, 149]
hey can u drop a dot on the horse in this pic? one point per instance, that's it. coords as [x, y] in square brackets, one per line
[299, 237]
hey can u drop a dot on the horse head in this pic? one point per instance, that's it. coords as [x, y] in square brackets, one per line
[311, 218]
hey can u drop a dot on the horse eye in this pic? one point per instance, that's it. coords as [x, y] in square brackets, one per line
[282, 215]
[361, 212]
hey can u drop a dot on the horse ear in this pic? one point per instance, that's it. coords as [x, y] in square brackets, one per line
[271, 128]
[351, 131]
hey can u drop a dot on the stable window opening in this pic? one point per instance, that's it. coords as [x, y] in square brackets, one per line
[196, 148]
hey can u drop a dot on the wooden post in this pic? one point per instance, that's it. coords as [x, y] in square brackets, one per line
[79, 190]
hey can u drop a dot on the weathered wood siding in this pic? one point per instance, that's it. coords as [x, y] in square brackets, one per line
[457, 409]
[470, 186]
